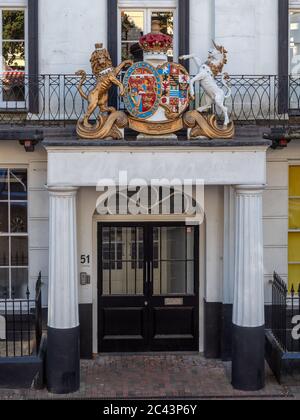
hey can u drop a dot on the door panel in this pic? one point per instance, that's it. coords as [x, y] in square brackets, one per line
[148, 288]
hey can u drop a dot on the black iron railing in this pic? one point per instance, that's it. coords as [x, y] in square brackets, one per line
[285, 307]
[21, 325]
[54, 99]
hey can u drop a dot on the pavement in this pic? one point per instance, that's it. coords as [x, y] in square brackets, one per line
[168, 376]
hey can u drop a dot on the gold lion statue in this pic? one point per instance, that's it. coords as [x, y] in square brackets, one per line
[106, 76]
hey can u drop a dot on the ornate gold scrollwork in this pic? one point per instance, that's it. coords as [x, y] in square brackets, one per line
[106, 127]
[155, 128]
[207, 126]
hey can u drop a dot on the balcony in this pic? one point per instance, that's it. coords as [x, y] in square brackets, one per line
[51, 99]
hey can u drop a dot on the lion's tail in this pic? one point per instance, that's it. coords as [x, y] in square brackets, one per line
[82, 73]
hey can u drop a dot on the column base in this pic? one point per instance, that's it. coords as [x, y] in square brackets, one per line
[226, 335]
[63, 361]
[248, 358]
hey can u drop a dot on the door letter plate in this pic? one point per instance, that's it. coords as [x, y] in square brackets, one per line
[174, 302]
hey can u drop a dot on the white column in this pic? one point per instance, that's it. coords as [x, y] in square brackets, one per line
[228, 272]
[63, 273]
[248, 306]
[63, 355]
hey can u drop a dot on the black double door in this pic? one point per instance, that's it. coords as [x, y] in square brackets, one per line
[148, 287]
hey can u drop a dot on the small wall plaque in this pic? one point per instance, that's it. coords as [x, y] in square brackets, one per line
[174, 302]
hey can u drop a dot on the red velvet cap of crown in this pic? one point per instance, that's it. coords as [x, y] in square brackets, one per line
[156, 43]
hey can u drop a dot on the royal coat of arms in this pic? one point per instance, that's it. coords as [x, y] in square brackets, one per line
[149, 89]
[143, 89]
[156, 93]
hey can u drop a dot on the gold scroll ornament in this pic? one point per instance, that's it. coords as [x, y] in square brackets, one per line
[207, 126]
[108, 126]
[155, 128]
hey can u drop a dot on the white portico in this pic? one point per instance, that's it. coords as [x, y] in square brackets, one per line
[76, 165]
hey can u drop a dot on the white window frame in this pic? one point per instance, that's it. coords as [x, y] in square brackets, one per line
[149, 7]
[11, 235]
[14, 5]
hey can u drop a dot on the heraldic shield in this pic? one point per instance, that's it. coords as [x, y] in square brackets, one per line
[157, 97]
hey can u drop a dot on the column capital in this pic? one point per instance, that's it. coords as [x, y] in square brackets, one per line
[62, 190]
[249, 189]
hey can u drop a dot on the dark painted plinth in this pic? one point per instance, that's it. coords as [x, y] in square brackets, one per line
[23, 372]
[226, 334]
[248, 358]
[212, 329]
[86, 331]
[284, 365]
[63, 361]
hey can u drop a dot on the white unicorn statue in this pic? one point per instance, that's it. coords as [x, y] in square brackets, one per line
[207, 74]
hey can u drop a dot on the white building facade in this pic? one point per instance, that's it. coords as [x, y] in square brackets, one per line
[122, 283]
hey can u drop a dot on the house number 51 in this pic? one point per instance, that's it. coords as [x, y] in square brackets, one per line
[85, 259]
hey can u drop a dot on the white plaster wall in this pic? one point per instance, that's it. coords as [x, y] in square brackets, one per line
[249, 30]
[202, 28]
[12, 154]
[68, 31]
[214, 211]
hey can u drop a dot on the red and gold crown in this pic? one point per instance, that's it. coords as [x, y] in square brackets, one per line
[156, 42]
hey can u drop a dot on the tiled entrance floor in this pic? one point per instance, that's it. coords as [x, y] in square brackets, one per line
[156, 376]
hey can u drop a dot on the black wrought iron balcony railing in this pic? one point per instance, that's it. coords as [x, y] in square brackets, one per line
[54, 99]
[285, 309]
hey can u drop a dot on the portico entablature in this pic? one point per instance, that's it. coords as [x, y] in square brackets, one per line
[84, 164]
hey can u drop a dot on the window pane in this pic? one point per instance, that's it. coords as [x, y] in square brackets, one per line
[132, 51]
[294, 181]
[132, 25]
[13, 88]
[294, 276]
[118, 281]
[4, 283]
[13, 24]
[3, 184]
[105, 282]
[3, 217]
[19, 251]
[177, 278]
[19, 282]
[14, 55]
[190, 243]
[294, 247]
[18, 217]
[173, 243]
[294, 213]
[4, 251]
[166, 20]
[294, 39]
[18, 184]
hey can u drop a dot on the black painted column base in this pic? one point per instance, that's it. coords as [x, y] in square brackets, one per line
[248, 358]
[63, 361]
[226, 334]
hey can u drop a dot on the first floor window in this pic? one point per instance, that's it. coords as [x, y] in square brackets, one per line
[13, 54]
[294, 227]
[136, 22]
[13, 233]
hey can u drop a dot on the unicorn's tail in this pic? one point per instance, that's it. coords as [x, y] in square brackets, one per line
[226, 84]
